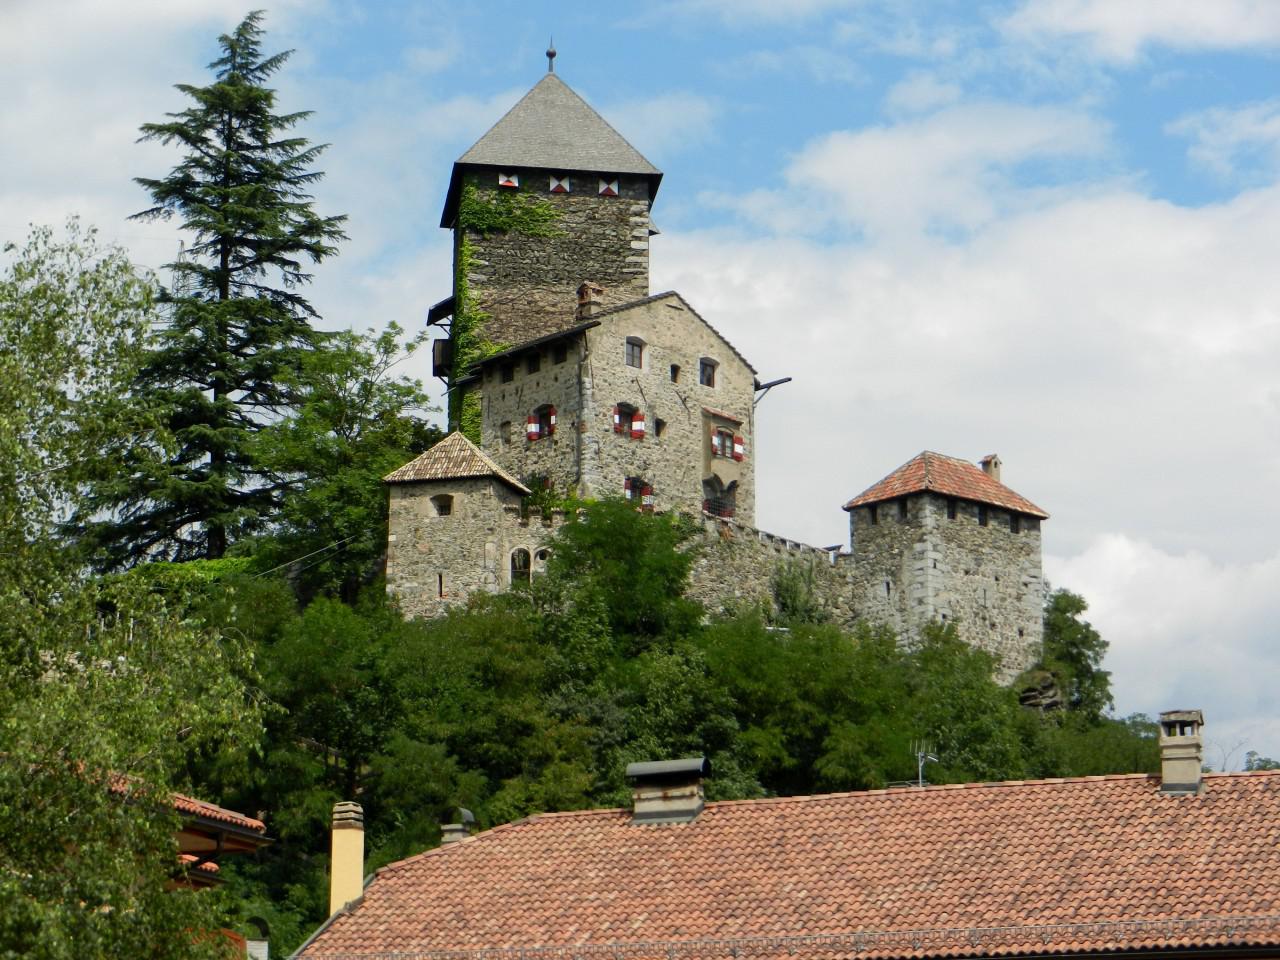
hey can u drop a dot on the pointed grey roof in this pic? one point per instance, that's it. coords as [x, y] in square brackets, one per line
[453, 458]
[552, 128]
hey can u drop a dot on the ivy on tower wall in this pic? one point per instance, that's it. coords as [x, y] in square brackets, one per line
[502, 212]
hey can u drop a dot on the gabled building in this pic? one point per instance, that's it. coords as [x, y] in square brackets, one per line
[1177, 865]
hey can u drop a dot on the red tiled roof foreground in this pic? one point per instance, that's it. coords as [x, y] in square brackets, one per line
[1057, 866]
[950, 477]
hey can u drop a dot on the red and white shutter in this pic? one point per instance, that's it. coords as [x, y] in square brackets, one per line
[508, 179]
[617, 420]
[637, 425]
[626, 488]
[531, 431]
[739, 448]
[551, 424]
[646, 496]
[715, 444]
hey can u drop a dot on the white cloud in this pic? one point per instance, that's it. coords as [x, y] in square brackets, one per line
[1186, 632]
[820, 64]
[1229, 141]
[920, 93]
[761, 10]
[952, 170]
[664, 123]
[1119, 30]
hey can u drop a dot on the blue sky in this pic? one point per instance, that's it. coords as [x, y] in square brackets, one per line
[1043, 228]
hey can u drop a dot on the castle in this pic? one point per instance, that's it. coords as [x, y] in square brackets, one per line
[565, 372]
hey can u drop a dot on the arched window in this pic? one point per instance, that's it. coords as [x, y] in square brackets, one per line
[442, 504]
[521, 569]
[635, 352]
[707, 372]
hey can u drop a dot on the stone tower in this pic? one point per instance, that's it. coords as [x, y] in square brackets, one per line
[551, 196]
[940, 539]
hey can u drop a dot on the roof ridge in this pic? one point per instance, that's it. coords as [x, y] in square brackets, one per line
[460, 448]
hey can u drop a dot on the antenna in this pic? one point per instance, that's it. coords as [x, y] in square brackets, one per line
[922, 750]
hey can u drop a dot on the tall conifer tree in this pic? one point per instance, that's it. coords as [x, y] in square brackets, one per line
[228, 359]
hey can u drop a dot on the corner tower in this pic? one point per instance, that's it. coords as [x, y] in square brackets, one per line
[551, 196]
[942, 539]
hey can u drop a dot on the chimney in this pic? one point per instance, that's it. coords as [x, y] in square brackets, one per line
[590, 300]
[667, 791]
[991, 466]
[346, 861]
[1180, 752]
[453, 832]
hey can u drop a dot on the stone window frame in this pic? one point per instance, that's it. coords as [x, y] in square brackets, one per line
[442, 505]
[626, 417]
[707, 368]
[546, 414]
[520, 566]
[722, 442]
[633, 353]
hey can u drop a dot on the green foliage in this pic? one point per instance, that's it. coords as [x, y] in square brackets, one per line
[1254, 761]
[1073, 652]
[74, 319]
[635, 565]
[95, 735]
[503, 212]
[355, 422]
[794, 595]
[230, 358]
[506, 211]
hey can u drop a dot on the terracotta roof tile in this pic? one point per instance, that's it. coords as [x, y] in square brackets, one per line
[211, 811]
[1038, 867]
[453, 458]
[949, 476]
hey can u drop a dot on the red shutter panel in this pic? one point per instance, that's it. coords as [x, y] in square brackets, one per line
[646, 496]
[531, 427]
[617, 420]
[626, 488]
[551, 428]
[739, 448]
[637, 425]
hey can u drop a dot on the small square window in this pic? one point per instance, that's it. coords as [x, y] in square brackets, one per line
[675, 373]
[559, 353]
[534, 363]
[508, 372]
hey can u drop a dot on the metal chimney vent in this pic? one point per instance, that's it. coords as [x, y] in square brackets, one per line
[667, 791]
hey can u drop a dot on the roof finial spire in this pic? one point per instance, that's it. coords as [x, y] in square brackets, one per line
[551, 55]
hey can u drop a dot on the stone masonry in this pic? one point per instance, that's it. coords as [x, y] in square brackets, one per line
[524, 286]
[927, 557]
[599, 389]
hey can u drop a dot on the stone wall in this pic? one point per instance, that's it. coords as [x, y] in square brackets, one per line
[435, 562]
[985, 579]
[736, 564]
[909, 570]
[507, 404]
[674, 455]
[528, 284]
